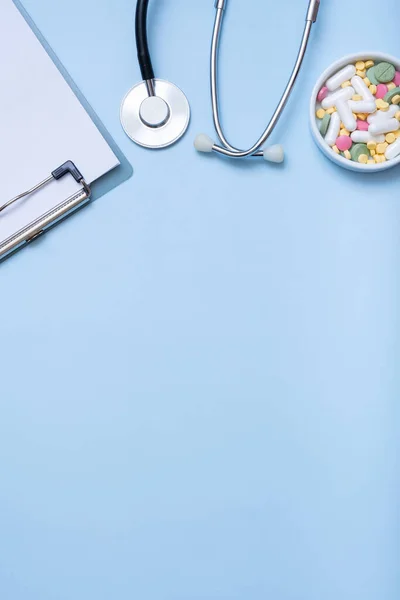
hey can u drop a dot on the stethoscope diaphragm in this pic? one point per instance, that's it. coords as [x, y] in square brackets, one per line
[155, 120]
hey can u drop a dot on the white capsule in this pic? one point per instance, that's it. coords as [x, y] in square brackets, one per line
[340, 77]
[346, 115]
[342, 94]
[333, 129]
[383, 114]
[363, 137]
[363, 106]
[362, 89]
[393, 151]
[384, 126]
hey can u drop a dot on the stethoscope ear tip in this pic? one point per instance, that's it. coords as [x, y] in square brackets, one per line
[274, 154]
[203, 143]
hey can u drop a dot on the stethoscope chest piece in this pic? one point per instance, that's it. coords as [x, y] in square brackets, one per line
[156, 117]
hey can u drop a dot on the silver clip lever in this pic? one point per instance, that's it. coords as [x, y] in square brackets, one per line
[67, 168]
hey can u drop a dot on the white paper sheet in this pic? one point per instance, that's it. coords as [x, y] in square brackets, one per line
[42, 125]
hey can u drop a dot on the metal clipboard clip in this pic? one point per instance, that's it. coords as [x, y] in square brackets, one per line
[37, 227]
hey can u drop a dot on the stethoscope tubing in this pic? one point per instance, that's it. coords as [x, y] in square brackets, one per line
[142, 44]
[226, 148]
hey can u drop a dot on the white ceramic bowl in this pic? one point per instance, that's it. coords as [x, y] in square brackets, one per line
[336, 158]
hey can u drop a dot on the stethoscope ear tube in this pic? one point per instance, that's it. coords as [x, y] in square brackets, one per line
[204, 143]
[142, 43]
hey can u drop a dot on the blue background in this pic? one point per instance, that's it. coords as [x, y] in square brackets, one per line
[199, 373]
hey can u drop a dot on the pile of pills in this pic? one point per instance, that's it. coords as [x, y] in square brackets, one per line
[358, 112]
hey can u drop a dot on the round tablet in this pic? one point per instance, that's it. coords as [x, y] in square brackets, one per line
[391, 94]
[384, 72]
[344, 142]
[371, 76]
[357, 150]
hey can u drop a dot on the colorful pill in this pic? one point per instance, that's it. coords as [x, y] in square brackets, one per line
[365, 106]
[325, 124]
[341, 94]
[381, 148]
[333, 129]
[340, 77]
[371, 76]
[379, 115]
[346, 115]
[323, 92]
[384, 72]
[320, 113]
[362, 125]
[358, 150]
[384, 126]
[382, 105]
[393, 150]
[363, 137]
[344, 142]
[390, 94]
[396, 79]
[361, 89]
[381, 90]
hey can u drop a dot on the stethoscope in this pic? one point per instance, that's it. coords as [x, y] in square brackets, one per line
[156, 113]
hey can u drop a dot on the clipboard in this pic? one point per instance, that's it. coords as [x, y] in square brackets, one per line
[39, 203]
